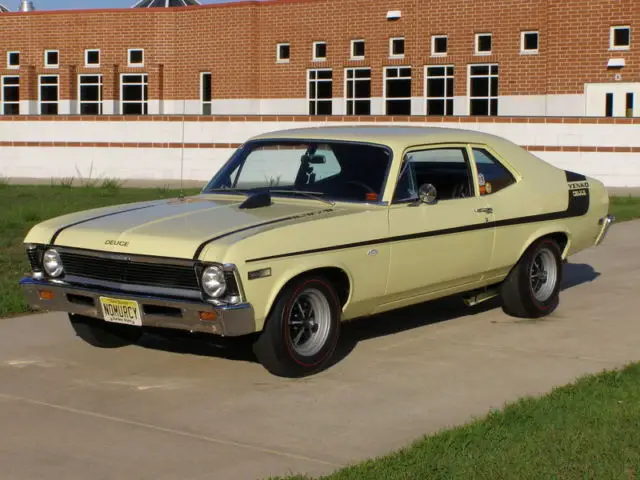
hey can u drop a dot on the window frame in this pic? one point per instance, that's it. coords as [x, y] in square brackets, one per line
[445, 98]
[404, 47]
[477, 43]
[13, 67]
[356, 99]
[100, 100]
[433, 46]
[523, 49]
[490, 97]
[314, 52]
[144, 102]
[352, 55]
[3, 102]
[316, 99]
[499, 158]
[280, 59]
[40, 101]
[385, 98]
[135, 65]
[612, 38]
[46, 59]
[204, 102]
[86, 58]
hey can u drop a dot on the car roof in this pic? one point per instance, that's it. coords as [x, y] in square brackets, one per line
[384, 134]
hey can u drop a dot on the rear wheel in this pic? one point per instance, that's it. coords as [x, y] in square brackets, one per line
[532, 288]
[102, 334]
[301, 333]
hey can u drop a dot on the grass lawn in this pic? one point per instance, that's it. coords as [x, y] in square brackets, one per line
[22, 206]
[587, 430]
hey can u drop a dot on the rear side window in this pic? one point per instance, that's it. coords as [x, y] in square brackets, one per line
[492, 175]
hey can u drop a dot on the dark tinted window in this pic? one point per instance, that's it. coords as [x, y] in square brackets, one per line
[440, 45]
[358, 48]
[492, 175]
[136, 57]
[93, 57]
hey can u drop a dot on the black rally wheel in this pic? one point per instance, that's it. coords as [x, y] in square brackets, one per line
[102, 334]
[532, 288]
[302, 330]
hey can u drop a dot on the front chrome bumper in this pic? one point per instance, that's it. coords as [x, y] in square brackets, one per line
[605, 223]
[163, 312]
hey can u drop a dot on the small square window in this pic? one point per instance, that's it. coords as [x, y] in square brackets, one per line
[620, 38]
[530, 42]
[357, 49]
[13, 59]
[92, 58]
[283, 53]
[319, 51]
[483, 43]
[396, 47]
[136, 57]
[51, 58]
[439, 45]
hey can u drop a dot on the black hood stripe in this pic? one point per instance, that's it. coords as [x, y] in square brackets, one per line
[578, 206]
[62, 229]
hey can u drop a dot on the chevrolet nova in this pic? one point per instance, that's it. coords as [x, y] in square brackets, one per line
[303, 229]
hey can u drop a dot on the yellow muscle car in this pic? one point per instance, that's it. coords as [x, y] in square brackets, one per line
[302, 229]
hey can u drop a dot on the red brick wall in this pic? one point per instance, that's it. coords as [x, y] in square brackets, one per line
[237, 42]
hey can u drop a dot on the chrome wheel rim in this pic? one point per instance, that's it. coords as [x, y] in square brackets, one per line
[309, 322]
[543, 275]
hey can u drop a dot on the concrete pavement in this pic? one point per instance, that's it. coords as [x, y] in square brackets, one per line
[188, 409]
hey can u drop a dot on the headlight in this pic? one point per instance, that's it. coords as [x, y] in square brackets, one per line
[213, 281]
[52, 263]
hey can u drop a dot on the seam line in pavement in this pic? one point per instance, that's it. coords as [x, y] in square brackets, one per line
[169, 430]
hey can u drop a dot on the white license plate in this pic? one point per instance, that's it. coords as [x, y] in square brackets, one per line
[121, 311]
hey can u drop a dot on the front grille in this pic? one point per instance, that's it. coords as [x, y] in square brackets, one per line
[35, 258]
[131, 272]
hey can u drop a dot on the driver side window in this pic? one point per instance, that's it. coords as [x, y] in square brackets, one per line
[447, 169]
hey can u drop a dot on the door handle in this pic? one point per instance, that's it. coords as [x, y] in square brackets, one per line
[488, 210]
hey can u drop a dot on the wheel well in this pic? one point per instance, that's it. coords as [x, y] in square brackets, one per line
[335, 275]
[560, 238]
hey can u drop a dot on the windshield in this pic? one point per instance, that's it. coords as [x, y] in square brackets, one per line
[333, 170]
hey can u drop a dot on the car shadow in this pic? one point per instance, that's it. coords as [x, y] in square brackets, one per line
[354, 331]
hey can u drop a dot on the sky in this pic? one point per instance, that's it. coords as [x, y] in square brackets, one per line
[65, 4]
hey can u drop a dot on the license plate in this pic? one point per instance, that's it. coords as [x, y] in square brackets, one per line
[121, 311]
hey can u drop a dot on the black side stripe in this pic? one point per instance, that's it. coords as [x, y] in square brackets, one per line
[577, 207]
[62, 229]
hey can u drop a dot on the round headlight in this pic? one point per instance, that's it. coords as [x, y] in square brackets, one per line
[213, 282]
[52, 263]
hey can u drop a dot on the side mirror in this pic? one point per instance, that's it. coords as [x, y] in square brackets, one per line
[428, 194]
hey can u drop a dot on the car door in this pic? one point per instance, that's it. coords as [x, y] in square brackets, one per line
[443, 245]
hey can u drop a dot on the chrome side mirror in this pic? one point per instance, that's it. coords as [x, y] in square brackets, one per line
[428, 194]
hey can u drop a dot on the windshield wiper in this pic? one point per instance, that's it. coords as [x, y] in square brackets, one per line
[313, 195]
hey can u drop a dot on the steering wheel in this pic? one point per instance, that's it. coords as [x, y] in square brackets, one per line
[360, 184]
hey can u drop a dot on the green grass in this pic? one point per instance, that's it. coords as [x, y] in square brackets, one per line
[625, 208]
[23, 206]
[587, 430]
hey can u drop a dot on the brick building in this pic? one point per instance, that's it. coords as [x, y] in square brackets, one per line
[327, 57]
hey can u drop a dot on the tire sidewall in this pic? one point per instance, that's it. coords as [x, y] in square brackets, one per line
[532, 303]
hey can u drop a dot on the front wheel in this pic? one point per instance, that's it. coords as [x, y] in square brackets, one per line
[532, 288]
[301, 333]
[101, 334]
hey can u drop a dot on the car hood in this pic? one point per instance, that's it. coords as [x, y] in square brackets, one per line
[170, 228]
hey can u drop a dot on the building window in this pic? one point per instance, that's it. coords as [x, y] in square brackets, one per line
[320, 92]
[10, 95]
[358, 91]
[13, 60]
[397, 85]
[620, 38]
[319, 51]
[439, 86]
[439, 45]
[92, 58]
[283, 53]
[51, 58]
[134, 94]
[90, 94]
[136, 57]
[48, 94]
[205, 93]
[608, 108]
[492, 175]
[483, 43]
[529, 42]
[483, 88]
[357, 49]
[629, 101]
[396, 47]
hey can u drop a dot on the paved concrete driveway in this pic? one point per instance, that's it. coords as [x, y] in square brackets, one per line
[188, 410]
